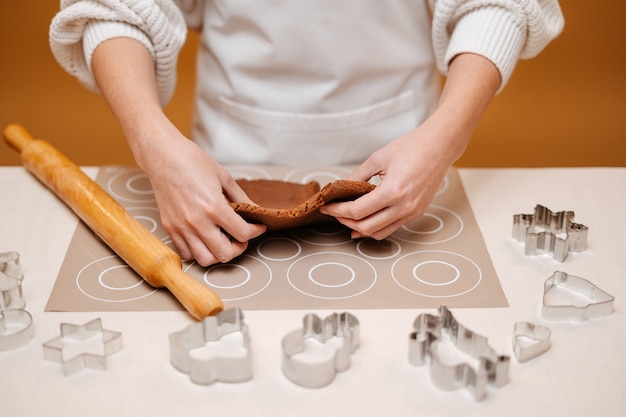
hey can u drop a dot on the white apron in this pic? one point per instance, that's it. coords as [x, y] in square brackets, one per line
[311, 81]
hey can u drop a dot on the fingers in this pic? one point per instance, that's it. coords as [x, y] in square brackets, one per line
[216, 248]
[211, 236]
[377, 214]
[377, 226]
[379, 234]
[213, 245]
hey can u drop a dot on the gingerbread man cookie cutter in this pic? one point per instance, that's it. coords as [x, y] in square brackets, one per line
[317, 374]
[423, 342]
[551, 232]
[111, 342]
[597, 302]
[205, 371]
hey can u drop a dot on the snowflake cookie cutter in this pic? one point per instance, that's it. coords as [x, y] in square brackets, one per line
[111, 343]
[598, 302]
[551, 232]
[423, 342]
[320, 373]
[205, 371]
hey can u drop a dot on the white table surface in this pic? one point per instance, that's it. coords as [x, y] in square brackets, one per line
[583, 374]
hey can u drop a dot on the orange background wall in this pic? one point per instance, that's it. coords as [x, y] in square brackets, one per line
[564, 108]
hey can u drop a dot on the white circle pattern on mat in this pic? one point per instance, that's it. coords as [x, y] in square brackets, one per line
[331, 275]
[324, 177]
[131, 186]
[278, 249]
[234, 281]
[100, 281]
[436, 273]
[378, 249]
[437, 225]
[326, 234]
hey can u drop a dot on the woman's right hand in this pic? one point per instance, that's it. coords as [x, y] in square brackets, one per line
[190, 187]
[193, 193]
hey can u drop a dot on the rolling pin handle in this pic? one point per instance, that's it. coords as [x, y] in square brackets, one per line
[17, 137]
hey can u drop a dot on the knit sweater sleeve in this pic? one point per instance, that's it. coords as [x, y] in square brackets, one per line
[81, 25]
[503, 31]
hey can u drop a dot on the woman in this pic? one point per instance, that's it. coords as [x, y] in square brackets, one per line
[299, 82]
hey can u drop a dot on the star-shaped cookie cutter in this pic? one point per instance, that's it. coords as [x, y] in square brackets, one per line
[111, 343]
[600, 302]
[216, 368]
[551, 232]
[317, 374]
[423, 342]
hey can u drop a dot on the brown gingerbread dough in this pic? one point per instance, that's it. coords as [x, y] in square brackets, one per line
[283, 205]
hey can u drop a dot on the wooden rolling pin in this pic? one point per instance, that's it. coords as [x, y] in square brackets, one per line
[154, 261]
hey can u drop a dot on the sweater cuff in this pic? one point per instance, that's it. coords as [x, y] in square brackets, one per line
[491, 32]
[98, 31]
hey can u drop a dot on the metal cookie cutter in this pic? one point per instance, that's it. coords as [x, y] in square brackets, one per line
[552, 232]
[492, 368]
[600, 303]
[216, 368]
[538, 335]
[320, 373]
[16, 324]
[12, 339]
[11, 278]
[111, 343]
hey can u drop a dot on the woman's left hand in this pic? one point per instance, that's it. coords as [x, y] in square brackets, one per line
[412, 168]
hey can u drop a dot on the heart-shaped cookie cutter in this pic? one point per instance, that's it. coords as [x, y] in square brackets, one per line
[552, 232]
[321, 373]
[539, 337]
[600, 302]
[216, 368]
[492, 368]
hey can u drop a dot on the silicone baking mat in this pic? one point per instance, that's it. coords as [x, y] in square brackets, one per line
[438, 259]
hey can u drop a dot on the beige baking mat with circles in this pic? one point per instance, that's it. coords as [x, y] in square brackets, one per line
[440, 258]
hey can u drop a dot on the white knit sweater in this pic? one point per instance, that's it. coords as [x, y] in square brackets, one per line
[501, 30]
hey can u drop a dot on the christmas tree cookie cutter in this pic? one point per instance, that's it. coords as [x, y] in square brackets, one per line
[598, 303]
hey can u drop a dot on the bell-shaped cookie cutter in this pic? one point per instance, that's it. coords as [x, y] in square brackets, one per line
[600, 302]
[217, 368]
[551, 232]
[538, 335]
[53, 350]
[423, 342]
[317, 374]
[11, 277]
